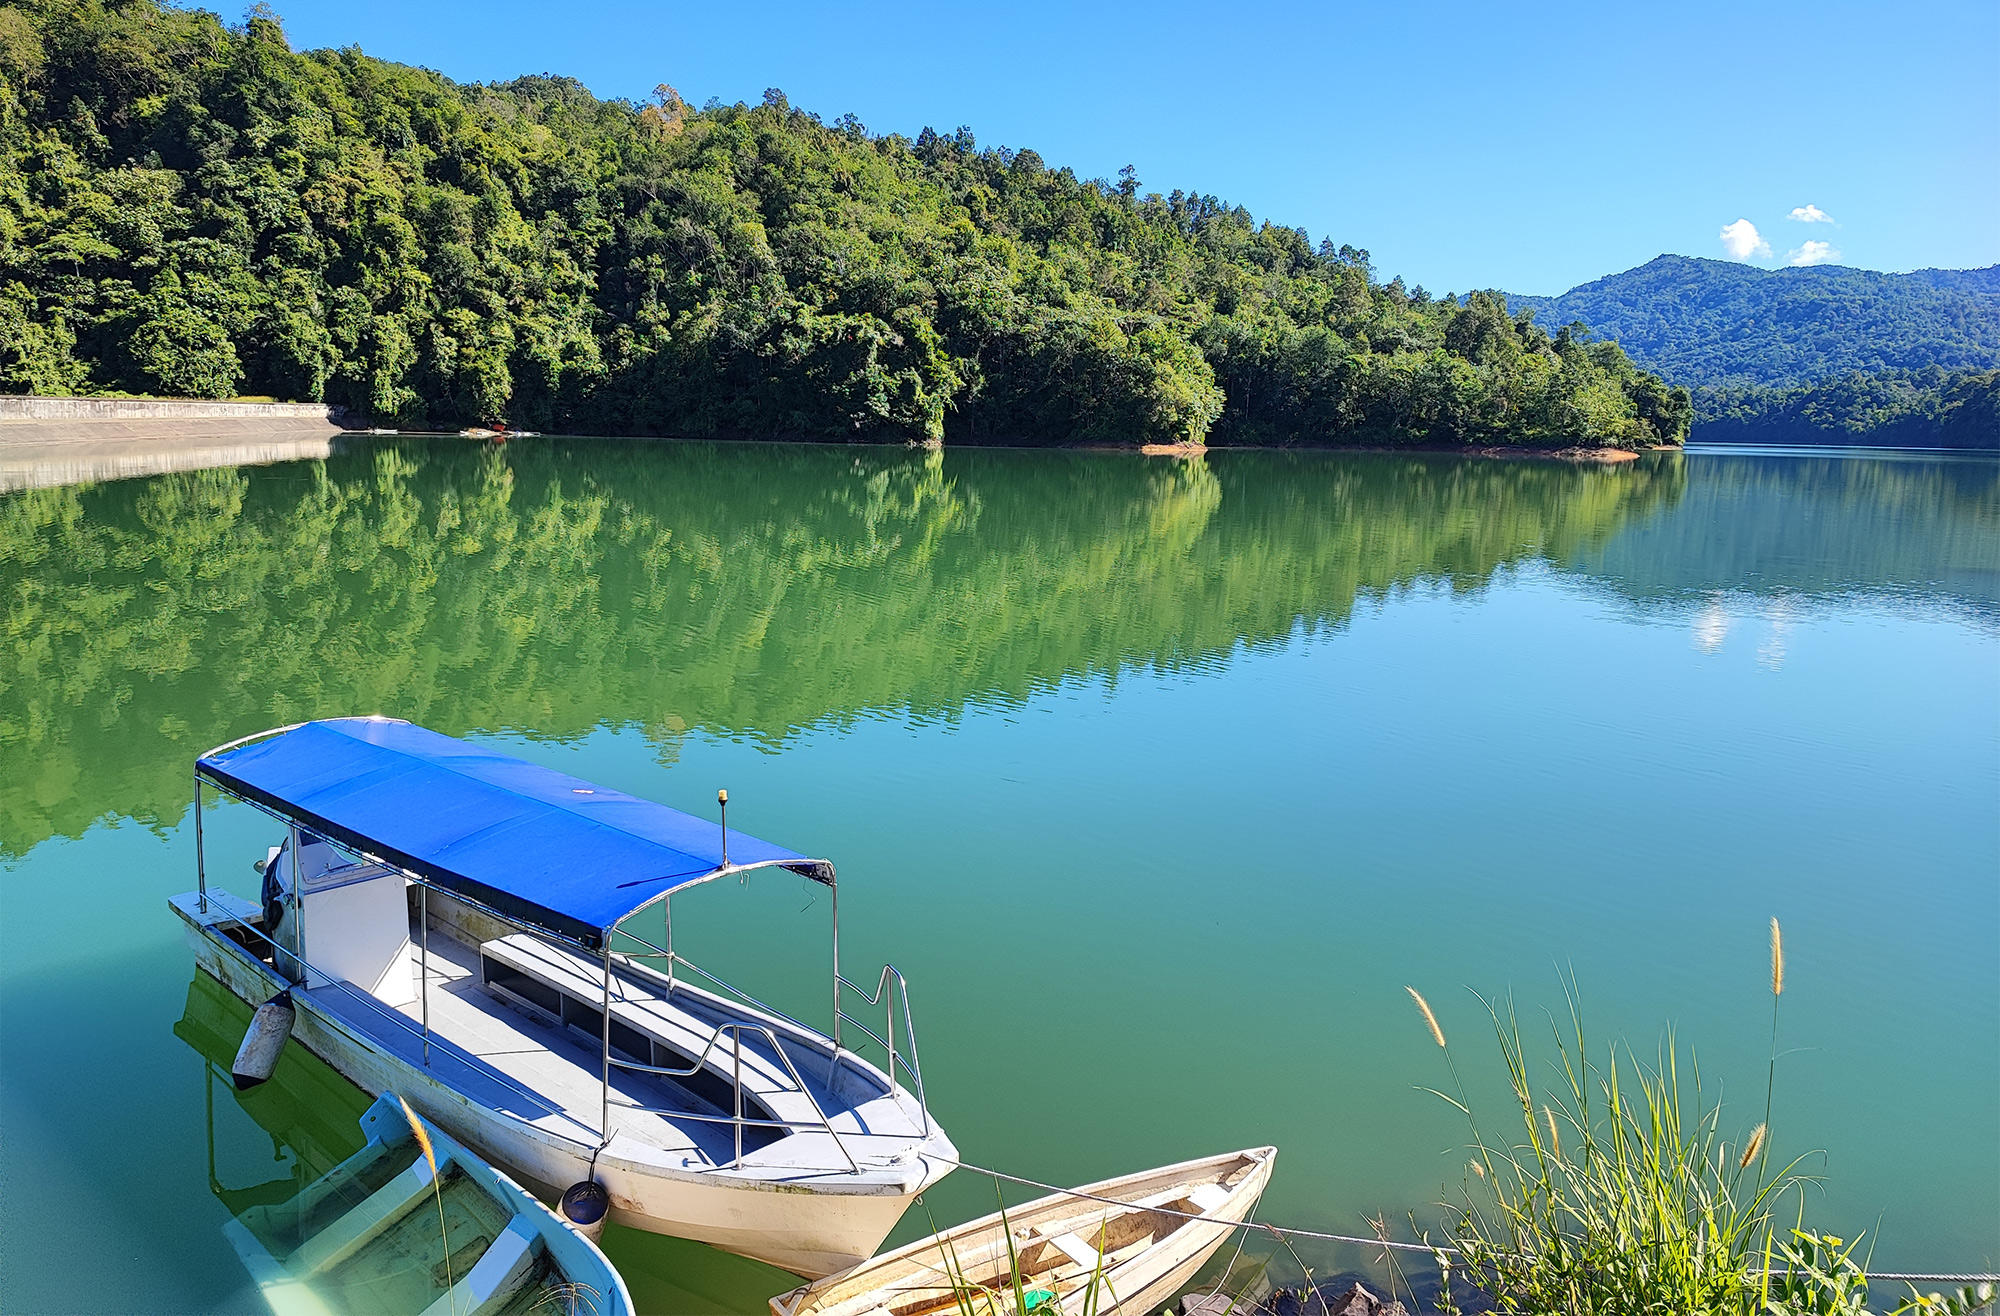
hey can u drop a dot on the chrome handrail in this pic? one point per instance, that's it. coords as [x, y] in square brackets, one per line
[915, 1064]
[735, 1028]
[328, 979]
[675, 957]
[807, 1037]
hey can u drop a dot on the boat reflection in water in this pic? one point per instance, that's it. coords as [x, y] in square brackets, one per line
[410, 1222]
[309, 1113]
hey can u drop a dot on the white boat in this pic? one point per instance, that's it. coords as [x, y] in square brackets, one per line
[1124, 1245]
[479, 935]
[405, 1227]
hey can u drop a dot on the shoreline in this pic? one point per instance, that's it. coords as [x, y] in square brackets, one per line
[43, 453]
[57, 422]
[1503, 452]
[41, 435]
[53, 441]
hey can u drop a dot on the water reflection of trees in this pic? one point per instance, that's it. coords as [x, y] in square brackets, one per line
[746, 590]
[1913, 531]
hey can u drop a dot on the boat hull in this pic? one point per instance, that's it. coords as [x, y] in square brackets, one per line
[362, 1259]
[811, 1228]
[918, 1277]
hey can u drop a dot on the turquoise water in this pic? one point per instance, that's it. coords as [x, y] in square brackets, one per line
[1159, 780]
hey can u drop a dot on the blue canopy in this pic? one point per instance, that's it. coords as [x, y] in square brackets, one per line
[538, 846]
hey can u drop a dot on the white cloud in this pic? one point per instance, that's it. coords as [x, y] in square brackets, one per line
[1815, 253]
[1742, 240]
[1811, 215]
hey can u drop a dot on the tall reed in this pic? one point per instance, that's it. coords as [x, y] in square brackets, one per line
[973, 1298]
[1777, 990]
[437, 1190]
[567, 1298]
[1626, 1198]
[1649, 1209]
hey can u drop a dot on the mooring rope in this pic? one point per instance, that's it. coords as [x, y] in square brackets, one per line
[1274, 1230]
[1282, 1232]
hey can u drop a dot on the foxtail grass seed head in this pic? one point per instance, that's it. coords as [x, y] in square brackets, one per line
[1777, 960]
[1750, 1150]
[568, 1299]
[1429, 1018]
[1555, 1139]
[423, 1138]
[1477, 1168]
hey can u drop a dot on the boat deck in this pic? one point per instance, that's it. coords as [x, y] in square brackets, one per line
[552, 1061]
[510, 1055]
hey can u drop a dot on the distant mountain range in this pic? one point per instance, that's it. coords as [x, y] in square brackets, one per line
[1705, 323]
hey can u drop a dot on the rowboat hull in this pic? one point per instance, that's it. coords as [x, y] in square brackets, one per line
[1150, 1251]
[803, 1224]
[361, 1237]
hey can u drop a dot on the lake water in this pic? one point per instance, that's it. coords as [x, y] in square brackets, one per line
[1159, 779]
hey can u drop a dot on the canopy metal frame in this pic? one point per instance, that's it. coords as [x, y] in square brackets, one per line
[604, 953]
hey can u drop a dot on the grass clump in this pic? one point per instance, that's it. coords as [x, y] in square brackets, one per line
[1620, 1192]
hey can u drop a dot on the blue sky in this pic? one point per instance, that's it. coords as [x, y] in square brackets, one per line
[1522, 147]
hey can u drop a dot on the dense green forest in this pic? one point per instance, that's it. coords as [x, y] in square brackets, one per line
[1927, 408]
[192, 209]
[1724, 323]
[1824, 354]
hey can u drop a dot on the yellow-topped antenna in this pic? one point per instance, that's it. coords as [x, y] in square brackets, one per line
[722, 802]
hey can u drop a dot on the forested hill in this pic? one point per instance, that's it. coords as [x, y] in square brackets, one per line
[188, 208]
[1712, 322]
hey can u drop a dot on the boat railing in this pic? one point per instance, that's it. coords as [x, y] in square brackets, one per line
[735, 1028]
[675, 959]
[881, 997]
[311, 977]
[286, 961]
[808, 1035]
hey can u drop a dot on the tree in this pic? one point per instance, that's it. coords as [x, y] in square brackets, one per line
[190, 209]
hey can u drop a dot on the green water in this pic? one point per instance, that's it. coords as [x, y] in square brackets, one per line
[1159, 780]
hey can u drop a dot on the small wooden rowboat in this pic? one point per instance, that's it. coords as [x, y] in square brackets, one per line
[385, 1232]
[1071, 1255]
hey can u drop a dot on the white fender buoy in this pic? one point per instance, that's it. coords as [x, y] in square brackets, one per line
[263, 1041]
[585, 1205]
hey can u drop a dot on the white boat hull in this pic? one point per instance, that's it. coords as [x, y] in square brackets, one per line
[973, 1267]
[812, 1226]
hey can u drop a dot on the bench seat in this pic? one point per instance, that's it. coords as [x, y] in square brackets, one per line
[647, 1028]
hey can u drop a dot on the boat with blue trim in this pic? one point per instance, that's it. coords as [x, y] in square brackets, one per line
[493, 940]
[413, 1222]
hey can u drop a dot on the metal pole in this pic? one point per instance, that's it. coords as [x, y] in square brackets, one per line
[836, 970]
[424, 962]
[200, 864]
[737, 1032]
[298, 917]
[669, 903]
[604, 1116]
